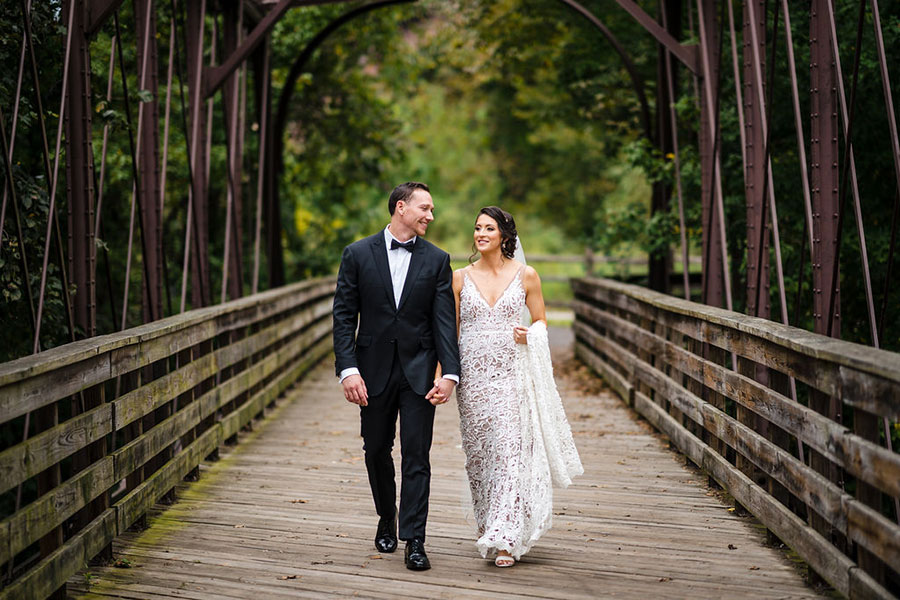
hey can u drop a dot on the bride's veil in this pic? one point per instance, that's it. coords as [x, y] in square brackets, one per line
[519, 255]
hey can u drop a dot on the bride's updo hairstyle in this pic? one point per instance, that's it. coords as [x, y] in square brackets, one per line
[507, 225]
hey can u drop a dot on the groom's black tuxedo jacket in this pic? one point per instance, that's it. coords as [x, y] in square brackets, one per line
[423, 328]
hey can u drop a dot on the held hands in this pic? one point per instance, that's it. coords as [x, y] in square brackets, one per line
[520, 334]
[441, 391]
[355, 390]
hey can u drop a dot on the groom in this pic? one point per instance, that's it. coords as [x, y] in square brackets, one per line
[399, 289]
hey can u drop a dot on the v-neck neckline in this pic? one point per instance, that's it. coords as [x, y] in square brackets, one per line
[502, 294]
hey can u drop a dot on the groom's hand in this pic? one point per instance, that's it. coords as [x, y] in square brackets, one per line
[441, 391]
[355, 390]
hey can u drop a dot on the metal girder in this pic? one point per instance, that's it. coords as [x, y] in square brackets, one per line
[660, 265]
[688, 55]
[232, 276]
[824, 154]
[151, 209]
[755, 166]
[214, 77]
[199, 201]
[96, 12]
[80, 177]
[716, 278]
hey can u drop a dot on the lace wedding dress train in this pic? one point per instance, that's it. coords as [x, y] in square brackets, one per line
[514, 432]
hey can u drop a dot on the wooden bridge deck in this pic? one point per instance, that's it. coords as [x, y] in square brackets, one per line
[288, 514]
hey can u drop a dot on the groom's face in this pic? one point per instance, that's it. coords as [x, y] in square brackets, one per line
[417, 213]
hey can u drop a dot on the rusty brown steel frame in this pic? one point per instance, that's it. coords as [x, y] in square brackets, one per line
[821, 185]
[829, 177]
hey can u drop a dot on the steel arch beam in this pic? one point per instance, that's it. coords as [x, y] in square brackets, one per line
[683, 53]
[636, 81]
[297, 68]
[276, 132]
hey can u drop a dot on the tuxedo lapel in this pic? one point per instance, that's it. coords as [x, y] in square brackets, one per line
[415, 265]
[379, 253]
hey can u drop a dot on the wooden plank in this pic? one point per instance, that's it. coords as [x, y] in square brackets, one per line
[52, 572]
[816, 550]
[38, 518]
[20, 397]
[49, 447]
[864, 459]
[252, 407]
[871, 529]
[620, 356]
[95, 352]
[138, 451]
[821, 375]
[857, 357]
[877, 534]
[141, 401]
[616, 381]
[293, 500]
[5, 548]
[136, 503]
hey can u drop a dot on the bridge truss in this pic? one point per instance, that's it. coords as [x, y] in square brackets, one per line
[744, 38]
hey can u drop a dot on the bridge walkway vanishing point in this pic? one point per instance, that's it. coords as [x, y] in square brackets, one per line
[287, 513]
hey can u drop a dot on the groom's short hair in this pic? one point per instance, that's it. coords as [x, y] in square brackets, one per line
[403, 192]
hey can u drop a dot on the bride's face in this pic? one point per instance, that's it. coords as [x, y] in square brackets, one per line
[487, 234]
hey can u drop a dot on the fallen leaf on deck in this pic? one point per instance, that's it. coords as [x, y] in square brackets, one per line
[284, 577]
[754, 568]
[239, 525]
[375, 556]
[664, 579]
[732, 547]
[298, 501]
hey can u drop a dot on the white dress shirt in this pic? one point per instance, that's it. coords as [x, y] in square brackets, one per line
[398, 264]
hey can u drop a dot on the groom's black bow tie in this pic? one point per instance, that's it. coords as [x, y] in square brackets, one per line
[406, 245]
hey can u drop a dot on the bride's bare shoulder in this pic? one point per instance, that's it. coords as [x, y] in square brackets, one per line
[530, 274]
[458, 275]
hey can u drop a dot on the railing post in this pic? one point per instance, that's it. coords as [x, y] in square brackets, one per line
[588, 262]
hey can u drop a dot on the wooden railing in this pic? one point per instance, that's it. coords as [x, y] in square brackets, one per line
[112, 424]
[827, 488]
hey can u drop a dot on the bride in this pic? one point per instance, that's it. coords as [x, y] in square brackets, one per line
[515, 434]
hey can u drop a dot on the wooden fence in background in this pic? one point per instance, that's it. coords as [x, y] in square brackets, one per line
[587, 264]
[827, 489]
[111, 424]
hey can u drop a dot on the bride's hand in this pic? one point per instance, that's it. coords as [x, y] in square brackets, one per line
[520, 334]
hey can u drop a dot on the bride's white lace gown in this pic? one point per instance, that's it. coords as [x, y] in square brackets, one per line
[507, 467]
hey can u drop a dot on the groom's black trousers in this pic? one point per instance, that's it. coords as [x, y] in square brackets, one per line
[379, 420]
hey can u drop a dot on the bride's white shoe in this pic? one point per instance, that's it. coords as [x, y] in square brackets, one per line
[504, 560]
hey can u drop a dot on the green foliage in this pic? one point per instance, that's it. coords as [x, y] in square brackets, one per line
[519, 103]
[29, 177]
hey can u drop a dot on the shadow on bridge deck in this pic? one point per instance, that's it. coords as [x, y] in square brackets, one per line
[288, 514]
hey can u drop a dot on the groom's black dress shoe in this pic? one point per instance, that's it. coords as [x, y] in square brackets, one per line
[386, 536]
[415, 557]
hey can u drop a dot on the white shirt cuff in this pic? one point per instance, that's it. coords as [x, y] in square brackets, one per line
[348, 372]
[453, 378]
